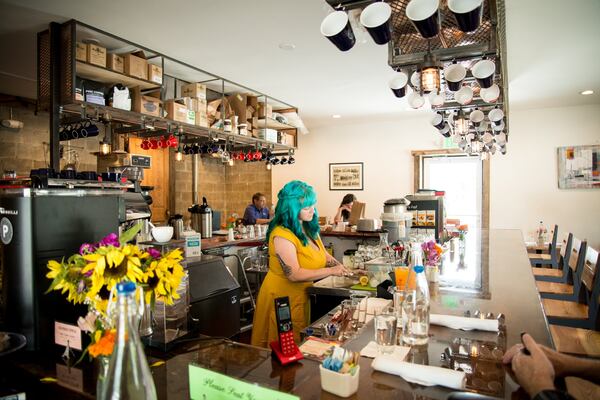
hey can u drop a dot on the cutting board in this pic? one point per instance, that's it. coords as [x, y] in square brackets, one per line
[361, 287]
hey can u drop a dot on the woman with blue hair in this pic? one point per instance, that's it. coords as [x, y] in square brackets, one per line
[297, 257]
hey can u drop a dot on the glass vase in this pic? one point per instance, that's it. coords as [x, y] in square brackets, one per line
[102, 365]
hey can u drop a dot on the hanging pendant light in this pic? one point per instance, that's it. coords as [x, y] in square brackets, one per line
[461, 124]
[430, 74]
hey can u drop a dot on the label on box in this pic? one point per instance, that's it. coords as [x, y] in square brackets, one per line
[95, 97]
[67, 335]
[206, 384]
[193, 246]
[191, 117]
[81, 51]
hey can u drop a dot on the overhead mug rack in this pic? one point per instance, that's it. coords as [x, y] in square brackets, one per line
[61, 69]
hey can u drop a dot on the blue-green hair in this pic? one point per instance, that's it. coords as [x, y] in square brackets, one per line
[293, 197]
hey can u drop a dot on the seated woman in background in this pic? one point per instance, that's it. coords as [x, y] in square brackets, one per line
[343, 212]
[297, 257]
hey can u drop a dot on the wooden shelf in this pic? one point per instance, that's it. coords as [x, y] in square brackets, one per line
[132, 117]
[104, 75]
[273, 124]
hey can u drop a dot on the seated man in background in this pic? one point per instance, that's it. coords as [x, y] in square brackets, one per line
[257, 213]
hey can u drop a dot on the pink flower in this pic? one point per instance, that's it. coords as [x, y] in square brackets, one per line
[110, 240]
[154, 253]
[86, 248]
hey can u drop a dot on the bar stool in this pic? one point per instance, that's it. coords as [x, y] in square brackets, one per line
[547, 259]
[560, 275]
[567, 291]
[577, 340]
[585, 312]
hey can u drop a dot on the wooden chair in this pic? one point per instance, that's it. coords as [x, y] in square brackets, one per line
[570, 290]
[560, 275]
[547, 259]
[585, 313]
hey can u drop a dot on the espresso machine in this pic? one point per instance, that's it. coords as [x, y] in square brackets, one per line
[39, 225]
[126, 165]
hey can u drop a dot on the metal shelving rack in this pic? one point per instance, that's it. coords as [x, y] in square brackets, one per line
[58, 69]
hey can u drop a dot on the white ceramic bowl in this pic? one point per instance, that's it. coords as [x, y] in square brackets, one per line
[162, 234]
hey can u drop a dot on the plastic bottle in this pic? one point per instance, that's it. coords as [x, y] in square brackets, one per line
[128, 375]
[541, 233]
[415, 309]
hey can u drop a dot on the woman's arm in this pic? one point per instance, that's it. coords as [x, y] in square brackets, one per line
[331, 261]
[286, 254]
[338, 217]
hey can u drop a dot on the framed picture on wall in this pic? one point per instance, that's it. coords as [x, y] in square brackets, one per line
[346, 176]
[579, 167]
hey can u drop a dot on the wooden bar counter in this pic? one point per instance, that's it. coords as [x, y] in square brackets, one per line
[493, 275]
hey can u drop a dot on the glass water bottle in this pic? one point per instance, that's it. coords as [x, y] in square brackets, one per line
[128, 375]
[415, 309]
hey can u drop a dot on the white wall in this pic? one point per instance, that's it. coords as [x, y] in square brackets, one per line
[383, 146]
[524, 187]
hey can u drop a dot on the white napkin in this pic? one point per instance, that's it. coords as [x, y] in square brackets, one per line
[370, 351]
[422, 374]
[464, 323]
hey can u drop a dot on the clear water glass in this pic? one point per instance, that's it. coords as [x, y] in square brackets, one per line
[385, 331]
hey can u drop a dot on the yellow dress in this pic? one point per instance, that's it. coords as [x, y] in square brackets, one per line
[276, 284]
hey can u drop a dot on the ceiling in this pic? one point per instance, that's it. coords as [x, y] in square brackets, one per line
[551, 45]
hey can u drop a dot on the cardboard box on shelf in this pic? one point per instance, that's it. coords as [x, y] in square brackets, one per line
[177, 111]
[250, 112]
[96, 55]
[201, 119]
[238, 105]
[190, 103]
[155, 73]
[135, 66]
[265, 110]
[81, 51]
[116, 63]
[145, 104]
[197, 90]
[201, 106]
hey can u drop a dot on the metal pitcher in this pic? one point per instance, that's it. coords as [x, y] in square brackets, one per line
[176, 221]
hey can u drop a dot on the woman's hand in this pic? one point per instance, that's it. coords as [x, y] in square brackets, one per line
[346, 207]
[339, 270]
[534, 372]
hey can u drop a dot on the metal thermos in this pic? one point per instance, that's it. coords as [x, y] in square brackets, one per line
[202, 218]
[176, 221]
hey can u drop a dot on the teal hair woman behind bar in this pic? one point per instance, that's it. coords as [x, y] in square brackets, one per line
[297, 257]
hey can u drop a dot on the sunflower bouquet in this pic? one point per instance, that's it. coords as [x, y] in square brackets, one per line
[89, 276]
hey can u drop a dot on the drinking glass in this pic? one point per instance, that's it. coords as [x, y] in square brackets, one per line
[385, 330]
[401, 275]
[349, 320]
[360, 302]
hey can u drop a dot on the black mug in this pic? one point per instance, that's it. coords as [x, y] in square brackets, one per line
[468, 14]
[484, 71]
[336, 27]
[398, 84]
[376, 18]
[424, 14]
[68, 174]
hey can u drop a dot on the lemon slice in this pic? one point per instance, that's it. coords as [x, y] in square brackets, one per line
[364, 280]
